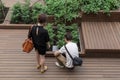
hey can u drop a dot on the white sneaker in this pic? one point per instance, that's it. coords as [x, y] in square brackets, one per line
[58, 65]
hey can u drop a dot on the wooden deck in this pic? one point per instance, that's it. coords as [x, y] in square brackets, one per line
[23, 67]
[16, 65]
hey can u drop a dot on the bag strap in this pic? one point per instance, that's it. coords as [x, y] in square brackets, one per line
[68, 52]
[29, 31]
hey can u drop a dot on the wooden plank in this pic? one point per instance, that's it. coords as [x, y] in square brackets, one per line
[81, 41]
[113, 37]
[95, 37]
[90, 37]
[98, 36]
[116, 30]
[109, 36]
[85, 37]
[59, 79]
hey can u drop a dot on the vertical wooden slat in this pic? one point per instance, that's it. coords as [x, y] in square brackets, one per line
[85, 35]
[90, 36]
[97, 36]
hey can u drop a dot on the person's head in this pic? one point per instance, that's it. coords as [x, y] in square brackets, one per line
[68, 37]
[42, 18]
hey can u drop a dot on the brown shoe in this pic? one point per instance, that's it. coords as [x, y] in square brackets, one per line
[45, 69]
[38, 66]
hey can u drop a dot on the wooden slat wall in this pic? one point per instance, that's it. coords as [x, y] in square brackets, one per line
[101, 36]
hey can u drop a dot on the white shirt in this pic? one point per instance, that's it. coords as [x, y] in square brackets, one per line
[73, 50]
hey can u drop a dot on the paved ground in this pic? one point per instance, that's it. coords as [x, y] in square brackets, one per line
[10, 3]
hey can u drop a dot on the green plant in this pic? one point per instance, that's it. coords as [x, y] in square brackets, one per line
[16, 14]
[26, 12]
[62, 30]
[110, 5]
[1, 10]
[46, 1]
[74, 31]
[37, 9]
[49, 27]
[56, 8]
[0, 14]
[72, 9]
[94, 6]
[21, 13]
[63, 10]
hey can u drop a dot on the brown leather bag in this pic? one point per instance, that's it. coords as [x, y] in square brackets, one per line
[27, 46]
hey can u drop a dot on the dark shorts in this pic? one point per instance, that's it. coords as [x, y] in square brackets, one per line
[41, 49]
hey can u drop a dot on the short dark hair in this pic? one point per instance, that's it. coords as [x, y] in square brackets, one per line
[42, 18]
[68, 37]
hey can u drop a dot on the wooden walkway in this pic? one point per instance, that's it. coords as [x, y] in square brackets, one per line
[16, 65]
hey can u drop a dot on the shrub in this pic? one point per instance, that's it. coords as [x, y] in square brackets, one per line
[16, 15]
[37, 9]
[49, 27]
[21, 13]
[26, 12]
[1, 8]
[94, 6]
[62, 30]
[63, 10]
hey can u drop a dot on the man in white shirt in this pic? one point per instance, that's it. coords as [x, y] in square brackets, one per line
[63, 58]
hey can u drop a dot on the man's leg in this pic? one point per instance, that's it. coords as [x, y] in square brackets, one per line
[60, 58]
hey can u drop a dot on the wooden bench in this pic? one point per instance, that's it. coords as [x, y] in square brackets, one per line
[100, 33]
